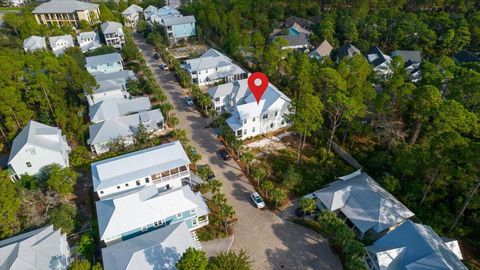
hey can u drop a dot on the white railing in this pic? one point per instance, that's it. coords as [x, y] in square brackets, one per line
[171, 176]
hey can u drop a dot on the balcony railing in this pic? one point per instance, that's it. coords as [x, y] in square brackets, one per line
[171, 176]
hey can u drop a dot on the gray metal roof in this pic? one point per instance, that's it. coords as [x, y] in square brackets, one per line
[414, 246]
[213, 59]
[168, 21]
[123, 126]
[130, 211]
[158, 249]
[364, 202]
[348, 51]
[114, 171]
[114, 107]
[111, 27]
[97, 60]
[295, 40]
[125, 75]
[413, 56]
[132, 9]
[376, 57]
[42, 249]
[40, 135]
[109, 85]
[63, 6]
[34, 43]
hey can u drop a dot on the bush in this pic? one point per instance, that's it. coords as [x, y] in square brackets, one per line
[64, 217]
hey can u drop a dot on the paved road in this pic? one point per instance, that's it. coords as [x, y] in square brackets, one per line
[271, 242]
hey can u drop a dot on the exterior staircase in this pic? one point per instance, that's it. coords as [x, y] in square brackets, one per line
[198, 245]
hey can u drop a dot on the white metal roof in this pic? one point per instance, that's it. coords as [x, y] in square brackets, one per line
[132, 9]
[114, 107]
[111, 27]
[34, 43]
[122, 214]
[139, 164]
[108, 58]
[159, 248]
[64, 6]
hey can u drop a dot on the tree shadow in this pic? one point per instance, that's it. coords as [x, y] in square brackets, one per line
[162, 258]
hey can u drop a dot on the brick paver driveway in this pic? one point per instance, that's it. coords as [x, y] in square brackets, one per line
[271, 242]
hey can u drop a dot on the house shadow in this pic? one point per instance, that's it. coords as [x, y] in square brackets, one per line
[162, 258]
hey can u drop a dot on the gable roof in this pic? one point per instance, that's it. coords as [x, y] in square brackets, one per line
[40, 135]
[408, 56]
[111, 27]
[465, 56]
[159, 248]
[43, 249]
[115, 215]
[418, 247]
[63, 6]
[114, 107]
[347, 50]
[213, 59]
[170, 20]
[376, 57]
[364, 202]
[124, 126]
[132, 9]
[299, 29]
[290, 21]
[123, 75]
[103, 59]
[295, 40]
[34, 43]
[65, 38]
[323, 50]
[167, 10]
[131, 166]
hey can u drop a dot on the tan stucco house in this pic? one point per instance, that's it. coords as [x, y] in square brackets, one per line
[61, 12]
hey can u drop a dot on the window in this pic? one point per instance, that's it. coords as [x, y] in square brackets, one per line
[217, 99]
[179, 215]
[244, 132]
[144, 228]
[192, 211]
[126, 184]
[253, 130]
[118, 187]
[253, 119]
[138, 182]
[101, 192]
[271, 125]
[276, 113]
[29, 165]
[147, 180]
[158, 223]
[194, 222]
[265, 116]
[283, 122]
[245, 121]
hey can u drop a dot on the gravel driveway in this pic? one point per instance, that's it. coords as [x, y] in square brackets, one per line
[271, 242]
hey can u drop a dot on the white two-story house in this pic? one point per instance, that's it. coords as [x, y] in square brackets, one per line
[113, 34]
[35, 147]
[380, 62]
[88, 41]
[131, 15]
[106, 63]
[163, 166]
[213, 67]
[249, 119]
[413, 60]
[60, 43]
[138, 212]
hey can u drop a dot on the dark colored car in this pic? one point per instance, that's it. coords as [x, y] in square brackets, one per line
[156, 56]
[164, 66]
[225, 155]
[300, 213]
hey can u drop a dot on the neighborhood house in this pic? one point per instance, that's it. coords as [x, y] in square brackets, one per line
[213, 67]
[88, 41]
[61, 12]
[107, 63]
[249, 119]
[35, 147]
[60, 43]
[34, 43]
[113, 34]
[131, 15]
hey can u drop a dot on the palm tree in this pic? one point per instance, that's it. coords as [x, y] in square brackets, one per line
[308, 205]
[259, 174]
[173, 122]
[247, 157]
[267, 187]
[214, 185]
[278, 195]
[219, 200]
[226, 214]
[166, 108]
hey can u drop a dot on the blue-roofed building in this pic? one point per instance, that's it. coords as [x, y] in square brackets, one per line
[137, 212]
[413, 246]
[158, 249]
[164, 166]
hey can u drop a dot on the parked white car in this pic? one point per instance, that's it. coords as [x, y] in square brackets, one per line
[257, 200]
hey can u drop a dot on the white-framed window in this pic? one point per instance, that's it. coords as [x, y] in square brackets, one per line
[126, 184]
[29, 165]
[194, 222]
[179, 215]
[244, 121]
[118, 187]
[276, 113]
[144, 228]
[192, 211]
[265, 116]
[217, 99]
[253, 130]
[253, 119]
[138, 182]
[147, 180]
[101, 192]
[271, 125]
[244, 132]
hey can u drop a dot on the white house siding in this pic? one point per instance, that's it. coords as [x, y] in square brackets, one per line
[37, 157]
[106, 68]
[97, 97]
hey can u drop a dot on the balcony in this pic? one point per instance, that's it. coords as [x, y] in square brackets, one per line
[171, 174]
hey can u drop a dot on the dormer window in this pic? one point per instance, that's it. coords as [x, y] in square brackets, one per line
[265, 116]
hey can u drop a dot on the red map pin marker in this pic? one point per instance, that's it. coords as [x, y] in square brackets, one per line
[258, 82]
